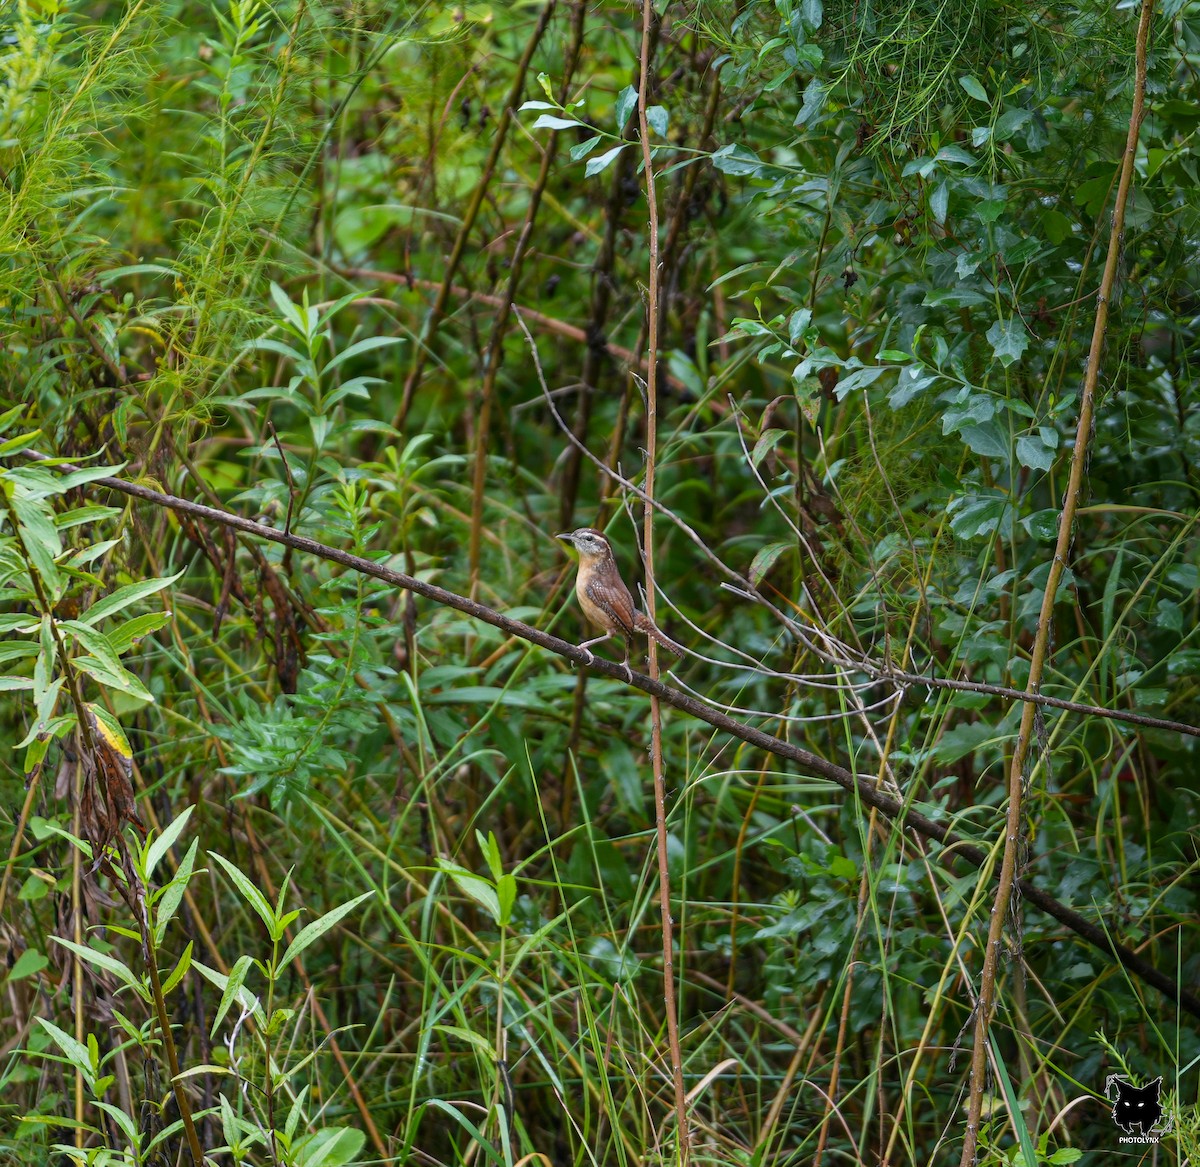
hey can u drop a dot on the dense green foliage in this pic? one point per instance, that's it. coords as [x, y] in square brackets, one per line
[397, 887]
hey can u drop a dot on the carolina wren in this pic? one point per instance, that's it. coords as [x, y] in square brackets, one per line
[604, 598]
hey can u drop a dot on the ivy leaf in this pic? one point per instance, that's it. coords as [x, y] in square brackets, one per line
[977, 515]
[987, 439]
[1033, 452]
[1008, 339]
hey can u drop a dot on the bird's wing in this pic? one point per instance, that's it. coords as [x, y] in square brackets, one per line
[616, 601]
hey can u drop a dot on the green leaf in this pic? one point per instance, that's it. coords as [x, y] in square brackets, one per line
[602, 161]
[1042, 525]
[122, 638]
[233, 990]
[126, 1124]
[250, 894]
[330, 1147]
[737, 160]
[357, 349]
[971, 84]
[17, 442]
[318, 928]
[1056, 226]
[88, 474]
[506, 893]
[626, 103]
[815, 93]
[1010, 122]
[123, 597]
[987, 439]
[657, 119]
[765, 444]
[120, 678]
[475, 1040]
[764, 559]
[939, 202]
[92, 641]
[179, 971]
[977, 515]
[954, 154]
[474, 886]
[549, 121]
[105, 962]
[159, 847]
[41, 538]
[1008, 339]
[168, 901]
[75, 1051]
[1033, 452]
[134, 269]
[583, 149]
[28, 964]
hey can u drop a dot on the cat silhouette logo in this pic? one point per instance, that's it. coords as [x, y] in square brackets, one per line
[1136, 1109]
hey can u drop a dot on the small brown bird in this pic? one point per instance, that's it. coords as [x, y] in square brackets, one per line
[604, 598]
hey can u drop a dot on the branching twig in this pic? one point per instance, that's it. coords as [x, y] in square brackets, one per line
[741, 586]
[862, 788]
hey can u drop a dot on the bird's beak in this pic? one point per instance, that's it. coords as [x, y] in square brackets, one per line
[565, 537]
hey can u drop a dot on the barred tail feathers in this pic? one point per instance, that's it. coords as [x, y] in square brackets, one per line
[645, 625]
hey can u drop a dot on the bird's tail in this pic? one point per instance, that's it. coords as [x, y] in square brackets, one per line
[645, 625]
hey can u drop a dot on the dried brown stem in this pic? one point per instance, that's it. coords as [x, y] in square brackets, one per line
[656, 752]
[1018, 769]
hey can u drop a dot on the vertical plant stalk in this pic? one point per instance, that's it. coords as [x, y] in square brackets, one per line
[598, 348]
[667, 260]
[656, 758]
[137, 901]
[464, 232]
[136, 890]
[1041, 644]
[495, 350]
[77, 936]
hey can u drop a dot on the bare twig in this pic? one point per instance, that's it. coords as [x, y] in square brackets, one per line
[495, 350]
[656, 751]
[862, 788]
[1017, 774]
[421, 348]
